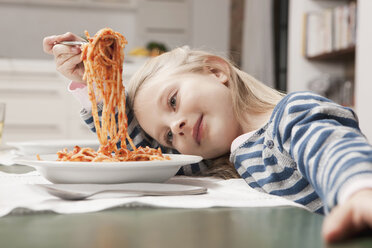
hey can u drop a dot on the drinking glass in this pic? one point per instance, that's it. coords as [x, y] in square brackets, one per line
[2, 118]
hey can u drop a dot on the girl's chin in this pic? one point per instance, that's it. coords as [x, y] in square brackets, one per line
[213, 154]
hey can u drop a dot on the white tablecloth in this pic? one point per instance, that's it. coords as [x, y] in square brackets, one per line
[18, 197]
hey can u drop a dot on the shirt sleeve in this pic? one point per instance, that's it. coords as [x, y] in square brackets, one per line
[80, 92]
[326, 143]
[354, 186]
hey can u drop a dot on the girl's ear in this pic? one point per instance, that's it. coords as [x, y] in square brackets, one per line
[219, 67]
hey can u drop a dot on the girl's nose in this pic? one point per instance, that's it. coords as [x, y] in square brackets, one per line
[178, 127]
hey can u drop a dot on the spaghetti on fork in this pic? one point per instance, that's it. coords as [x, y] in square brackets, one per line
[103, 58]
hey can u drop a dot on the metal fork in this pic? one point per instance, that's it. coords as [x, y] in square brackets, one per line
[72, 43]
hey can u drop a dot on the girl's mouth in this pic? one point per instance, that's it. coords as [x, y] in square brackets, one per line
[197, 130]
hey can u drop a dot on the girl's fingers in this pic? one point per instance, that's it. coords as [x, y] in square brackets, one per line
[338, 224]
[63, 55]
[349, 218]
[68, 37]
[59, 50]
[72, 68]
[72, 62]
[50, 41]
[48, 44]
[68, 60]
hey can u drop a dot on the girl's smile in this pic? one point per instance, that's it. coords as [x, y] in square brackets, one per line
[197, 131]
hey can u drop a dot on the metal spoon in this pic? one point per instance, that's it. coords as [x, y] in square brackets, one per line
[83, 191]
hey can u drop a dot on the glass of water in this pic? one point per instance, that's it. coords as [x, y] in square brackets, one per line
[2, 118]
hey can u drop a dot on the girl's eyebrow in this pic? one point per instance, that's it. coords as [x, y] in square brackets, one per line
[163, 95]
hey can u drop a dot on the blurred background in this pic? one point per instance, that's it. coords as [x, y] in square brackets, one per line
[291, 45]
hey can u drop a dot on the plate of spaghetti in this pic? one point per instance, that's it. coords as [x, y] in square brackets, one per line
[117, 160]
[156, 171]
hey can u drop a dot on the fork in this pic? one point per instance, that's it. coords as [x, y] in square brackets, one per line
[72, 43]
[83, 191]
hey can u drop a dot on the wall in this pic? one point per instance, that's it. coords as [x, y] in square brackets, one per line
[210, 25]
[363, 83]
[30, 23]
[24, 67]
[26, 25]
[258, 44]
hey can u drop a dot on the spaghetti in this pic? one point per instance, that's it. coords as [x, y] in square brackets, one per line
[103, 58]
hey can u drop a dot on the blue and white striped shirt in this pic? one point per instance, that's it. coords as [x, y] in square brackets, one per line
[307, 152]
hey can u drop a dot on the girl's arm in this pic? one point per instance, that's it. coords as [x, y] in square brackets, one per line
[349, 218]
[330, 151]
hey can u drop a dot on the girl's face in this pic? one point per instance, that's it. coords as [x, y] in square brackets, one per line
[191, 113]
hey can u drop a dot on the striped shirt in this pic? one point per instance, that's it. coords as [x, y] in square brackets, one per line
[307, 152]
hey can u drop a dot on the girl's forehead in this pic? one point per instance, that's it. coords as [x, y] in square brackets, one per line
[160, 82]
[154, 85]
[149, 93]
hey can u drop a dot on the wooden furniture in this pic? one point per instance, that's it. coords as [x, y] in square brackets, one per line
[317, 47]
[351, 63]
[39, 105]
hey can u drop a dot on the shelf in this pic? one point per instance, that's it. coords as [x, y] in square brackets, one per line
[86, 4]
[343, 54]
[333, 0]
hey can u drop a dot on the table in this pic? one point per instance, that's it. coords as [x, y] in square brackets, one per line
[158, 227]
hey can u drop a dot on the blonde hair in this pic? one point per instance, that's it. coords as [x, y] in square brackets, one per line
[248, 94]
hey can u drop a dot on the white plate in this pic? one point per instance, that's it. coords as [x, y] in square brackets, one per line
[108, 172]
[51, 146]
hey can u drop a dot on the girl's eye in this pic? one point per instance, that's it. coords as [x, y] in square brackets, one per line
[169, 137]
[173, 101]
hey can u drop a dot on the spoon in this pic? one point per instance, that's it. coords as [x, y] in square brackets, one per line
[84, 191]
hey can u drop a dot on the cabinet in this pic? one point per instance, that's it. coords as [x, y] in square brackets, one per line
[105, 4]
[39, 105]
[351, 63]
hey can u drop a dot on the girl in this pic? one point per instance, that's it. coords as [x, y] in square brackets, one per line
[300, 146]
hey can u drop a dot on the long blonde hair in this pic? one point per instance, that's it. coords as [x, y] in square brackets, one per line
[248, 94]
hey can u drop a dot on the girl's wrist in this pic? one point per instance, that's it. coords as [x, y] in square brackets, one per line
[353, 187]
[76, 85]
[80, 91]
[360, 195]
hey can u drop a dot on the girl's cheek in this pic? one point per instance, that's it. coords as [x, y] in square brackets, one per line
[184, 148]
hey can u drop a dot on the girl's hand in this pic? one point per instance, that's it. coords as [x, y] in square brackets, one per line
[346, 220]
[67, 58]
